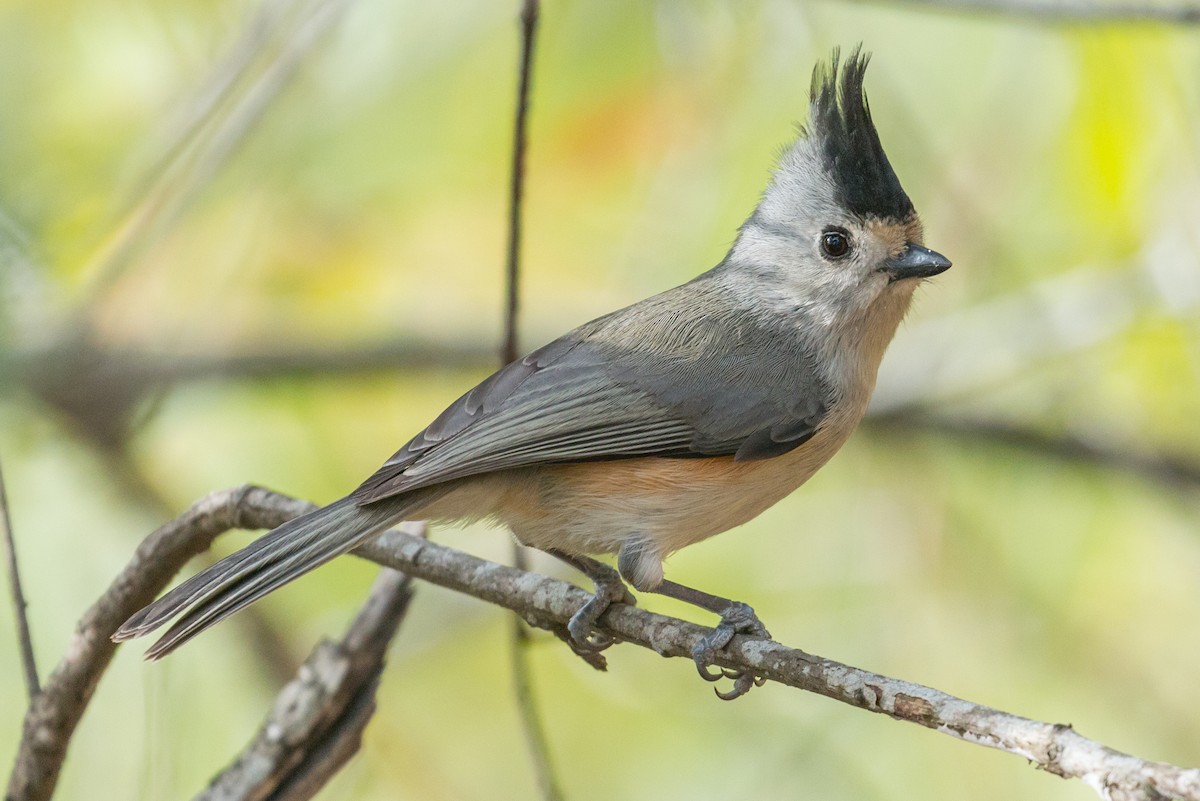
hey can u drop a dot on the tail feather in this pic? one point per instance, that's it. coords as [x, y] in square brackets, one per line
[268, 563]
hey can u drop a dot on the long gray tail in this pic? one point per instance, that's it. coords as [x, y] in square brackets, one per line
[265, 565]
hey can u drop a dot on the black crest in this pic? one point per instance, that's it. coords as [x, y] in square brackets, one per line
[848, 142]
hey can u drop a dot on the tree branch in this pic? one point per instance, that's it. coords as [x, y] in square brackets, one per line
[529, 21]
[549, 603]
[1167, 470]
[545, 602]
[56, 711]
[24, 640]
[317, 720]
[531, 723]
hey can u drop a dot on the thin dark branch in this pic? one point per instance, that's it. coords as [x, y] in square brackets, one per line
[142, 367]
[1070, 11]
[56, 711]
[529, 20]
[531, 722]
[316, 723]
[1173, 472]
[103, 390]
[123, 369]
[110, 372]
[24, 638]
[114, 374]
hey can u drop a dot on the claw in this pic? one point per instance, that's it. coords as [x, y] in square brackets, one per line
[593, 658]
[743, 681]
[738, 618]
[598, 641]
[741, 686]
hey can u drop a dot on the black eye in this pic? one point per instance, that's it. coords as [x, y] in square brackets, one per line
[835, 243]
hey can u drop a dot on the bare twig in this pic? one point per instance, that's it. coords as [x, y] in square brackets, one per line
[1072, 11]
[1055, 748]
[18, 596]
[141, 369]
[531, 722]
[547, 602]
[55, 712]
[1169, 471]
[901, 401]
[529, 21]
[318, 718]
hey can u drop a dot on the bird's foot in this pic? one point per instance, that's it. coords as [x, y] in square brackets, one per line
[610, 589]
[739, 618]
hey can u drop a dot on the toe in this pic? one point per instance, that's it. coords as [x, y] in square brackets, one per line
[739, 618]
[742, 619]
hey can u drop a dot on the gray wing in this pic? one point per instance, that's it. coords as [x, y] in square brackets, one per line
[644, 381]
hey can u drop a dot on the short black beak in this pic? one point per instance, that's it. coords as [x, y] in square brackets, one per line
[916, 262]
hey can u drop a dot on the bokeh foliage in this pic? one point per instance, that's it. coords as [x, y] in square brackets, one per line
[1057, 163]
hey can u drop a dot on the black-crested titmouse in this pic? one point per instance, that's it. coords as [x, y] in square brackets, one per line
[663, 423]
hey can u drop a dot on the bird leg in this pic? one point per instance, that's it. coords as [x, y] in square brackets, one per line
[736, 617]
[610, 589]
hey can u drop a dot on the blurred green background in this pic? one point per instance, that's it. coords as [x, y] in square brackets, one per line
[263, 242]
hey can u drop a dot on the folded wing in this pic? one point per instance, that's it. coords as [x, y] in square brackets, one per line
[623, 387]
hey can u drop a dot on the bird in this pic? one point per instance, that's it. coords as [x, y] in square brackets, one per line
[658, 425]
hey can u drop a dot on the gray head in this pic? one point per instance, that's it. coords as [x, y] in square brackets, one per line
[836, 238]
